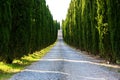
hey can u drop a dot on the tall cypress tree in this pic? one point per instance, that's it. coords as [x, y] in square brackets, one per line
[93, 26]
[5, 28]
[25, 26]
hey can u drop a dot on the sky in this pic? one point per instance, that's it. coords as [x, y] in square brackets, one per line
[58, 8]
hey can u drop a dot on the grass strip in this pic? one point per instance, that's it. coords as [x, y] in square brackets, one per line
[7, 70]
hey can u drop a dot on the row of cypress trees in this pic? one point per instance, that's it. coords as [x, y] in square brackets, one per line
[25, 26]
[93, 26]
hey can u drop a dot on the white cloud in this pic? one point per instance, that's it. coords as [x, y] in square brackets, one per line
[58, 8]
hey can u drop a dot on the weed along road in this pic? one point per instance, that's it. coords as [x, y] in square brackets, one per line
[66, 63]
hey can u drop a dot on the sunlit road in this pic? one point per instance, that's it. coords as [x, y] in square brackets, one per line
[65, 63]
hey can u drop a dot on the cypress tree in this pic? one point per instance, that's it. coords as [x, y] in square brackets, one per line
[25, 26]
[93, 26]
[5, 28]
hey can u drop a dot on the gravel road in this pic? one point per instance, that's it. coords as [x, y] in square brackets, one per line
[66, 63]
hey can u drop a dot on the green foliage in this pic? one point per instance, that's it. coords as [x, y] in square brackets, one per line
[25, 27]
[102, 25]
[93, 26]
[114, 29]
[5, 27]
[7, 70]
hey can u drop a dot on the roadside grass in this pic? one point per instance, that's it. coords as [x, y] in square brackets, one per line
[119, 71]
[7, 70]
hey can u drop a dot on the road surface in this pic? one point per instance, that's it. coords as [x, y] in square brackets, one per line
[66, 63]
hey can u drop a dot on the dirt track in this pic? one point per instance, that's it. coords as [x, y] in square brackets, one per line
[65, 63]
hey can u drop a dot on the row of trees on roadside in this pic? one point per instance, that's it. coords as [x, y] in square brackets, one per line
[94, 26]
[25, 26]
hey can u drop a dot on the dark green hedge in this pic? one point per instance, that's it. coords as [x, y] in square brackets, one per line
[93, 26]
[25, 26]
